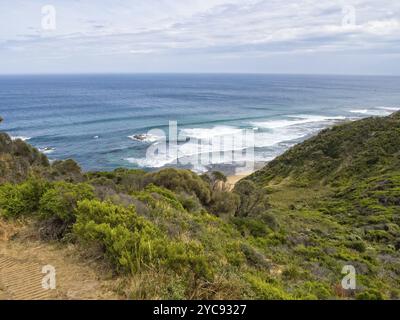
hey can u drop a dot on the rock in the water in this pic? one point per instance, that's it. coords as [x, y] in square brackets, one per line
[140, 137]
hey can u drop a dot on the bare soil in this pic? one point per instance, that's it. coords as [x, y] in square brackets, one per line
[22, 257]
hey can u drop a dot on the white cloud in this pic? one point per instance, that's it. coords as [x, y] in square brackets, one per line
[187, 27]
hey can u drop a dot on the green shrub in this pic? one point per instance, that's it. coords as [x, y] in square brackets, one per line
[22, 149]
[270, 220]
[370, 294]
[292, 272]
[129, 180]
[131, 242]
[128, 241]
[21, 199]
[188, 257]
[254, 257]
[378, 235]
[267, 291]
[61, 200]
[249, 226]
[67, 170]
[359, 246]
[317, 289]
[166, 194]
[224, 203]
[190, 202]
[19, 160]
[103, 188]
[181, 181]
[253, 199]
[5, 143]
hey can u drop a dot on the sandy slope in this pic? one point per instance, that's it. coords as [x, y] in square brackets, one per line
[232, 180]
[21, 262]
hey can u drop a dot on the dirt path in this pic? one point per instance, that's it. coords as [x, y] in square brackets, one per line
[21, 280]
[21, 263]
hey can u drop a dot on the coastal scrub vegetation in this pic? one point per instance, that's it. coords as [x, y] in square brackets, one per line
[285, 232]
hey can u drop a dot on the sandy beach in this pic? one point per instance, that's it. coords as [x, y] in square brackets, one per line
[233, 179]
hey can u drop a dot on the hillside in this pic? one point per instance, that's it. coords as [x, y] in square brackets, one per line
[341, 190]
[339, 154]
[286, 232]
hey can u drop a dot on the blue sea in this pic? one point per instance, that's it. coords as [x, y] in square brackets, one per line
[96, 119]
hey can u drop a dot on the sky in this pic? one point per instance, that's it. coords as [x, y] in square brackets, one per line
[200, 36]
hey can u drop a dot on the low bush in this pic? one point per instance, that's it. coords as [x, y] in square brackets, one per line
[267, 291]
[249, 226]
[359, 246]
[370, 294]
[21, 199]
[319, 290]
[254, 257]
[253, 200]
[67, 170]
[132, 243]
[270, 220]
[189, 202]
[166, 194]
[128, 241]
[181, 181]
[61, 200]
[224, 203]
[189, 257]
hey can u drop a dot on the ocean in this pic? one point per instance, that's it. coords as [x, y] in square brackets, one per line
[103, 121]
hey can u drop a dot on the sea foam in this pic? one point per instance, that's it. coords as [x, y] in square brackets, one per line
[211, 145]
[295, 120]
[376, 111]
[23, 138]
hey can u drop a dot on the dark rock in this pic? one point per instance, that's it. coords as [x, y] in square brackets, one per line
[140, 137]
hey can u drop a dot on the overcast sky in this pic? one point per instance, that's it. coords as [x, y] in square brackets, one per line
[266, 36]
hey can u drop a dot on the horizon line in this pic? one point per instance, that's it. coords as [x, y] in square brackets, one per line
[194, 73]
